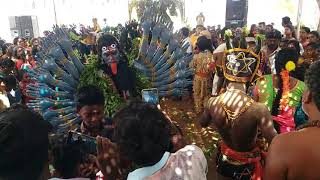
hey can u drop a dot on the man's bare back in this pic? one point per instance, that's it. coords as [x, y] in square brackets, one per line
[239, 134]
[290, 156]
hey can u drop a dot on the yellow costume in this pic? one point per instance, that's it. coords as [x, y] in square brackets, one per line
[201, 81]
[193, 39]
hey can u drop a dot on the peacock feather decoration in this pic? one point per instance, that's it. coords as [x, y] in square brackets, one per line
[58, 74]
[161, 59]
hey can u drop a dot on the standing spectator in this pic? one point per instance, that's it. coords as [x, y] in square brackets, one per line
[269, 52]
[286, 21]
[269, 28]
[24, 80]
[194, 37]
[19, 56]
[262, 27]
[314, 37]
[186, 42]
[15, 41]
[253, 30]
[304, 32]
[22, 42]
[289, 32]
[35, 45]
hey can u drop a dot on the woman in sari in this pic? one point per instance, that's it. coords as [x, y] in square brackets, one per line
[280, 92]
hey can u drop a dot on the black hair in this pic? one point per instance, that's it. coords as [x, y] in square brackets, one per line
[313, 83]
[67, 159]
[315, 33]
[281, 59]
[15, 41]
[306, 29]
[185, 31]
[89, 95]
[142, 133]
[11, 82]
[15, 52]
[286, 20]
[290, 27]
[10, 50]
[2, 42]
[24, 143]
[7, 63]
[5, 47]
[275, 34]
[204, 43]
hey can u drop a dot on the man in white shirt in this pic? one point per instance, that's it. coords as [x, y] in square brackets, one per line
[186, 42]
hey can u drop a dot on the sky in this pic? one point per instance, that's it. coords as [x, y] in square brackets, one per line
[115, 11]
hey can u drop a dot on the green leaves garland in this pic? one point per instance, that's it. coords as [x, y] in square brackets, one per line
[92, 76]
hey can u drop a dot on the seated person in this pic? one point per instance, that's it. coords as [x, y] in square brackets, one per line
[143, 136]
[24, 144]
[90, 107]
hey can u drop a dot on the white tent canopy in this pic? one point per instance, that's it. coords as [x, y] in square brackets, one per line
[116, 11]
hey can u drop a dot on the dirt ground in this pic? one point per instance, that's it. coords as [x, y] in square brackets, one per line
[182, 111]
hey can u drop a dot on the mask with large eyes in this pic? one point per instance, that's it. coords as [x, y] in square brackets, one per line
[109, 53]
[110, 57]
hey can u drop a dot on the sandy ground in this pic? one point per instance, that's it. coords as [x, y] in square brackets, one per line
[182, 111]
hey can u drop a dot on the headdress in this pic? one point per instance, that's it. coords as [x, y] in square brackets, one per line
[240, 63]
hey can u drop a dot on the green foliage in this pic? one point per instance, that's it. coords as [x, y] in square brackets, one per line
[74, 37]
[92, 76]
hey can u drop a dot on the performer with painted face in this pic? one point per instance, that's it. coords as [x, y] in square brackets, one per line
[237, 116]
[115, 64]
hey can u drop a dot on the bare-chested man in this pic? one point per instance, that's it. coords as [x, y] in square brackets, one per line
[238, 117]
[296, 155]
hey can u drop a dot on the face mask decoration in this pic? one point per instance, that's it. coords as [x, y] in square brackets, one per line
[110, 56]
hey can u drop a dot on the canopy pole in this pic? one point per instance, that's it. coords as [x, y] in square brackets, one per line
[299, 18]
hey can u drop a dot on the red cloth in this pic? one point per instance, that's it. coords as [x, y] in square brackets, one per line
[19, 63]
[253, 156]
[286, 120]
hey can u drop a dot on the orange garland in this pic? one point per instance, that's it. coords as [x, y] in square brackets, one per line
[285, 89]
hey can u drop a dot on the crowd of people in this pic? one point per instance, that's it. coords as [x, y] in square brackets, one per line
[259, 88]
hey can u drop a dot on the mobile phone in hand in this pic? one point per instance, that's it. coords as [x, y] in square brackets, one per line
[87, 143]
[150, 96]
